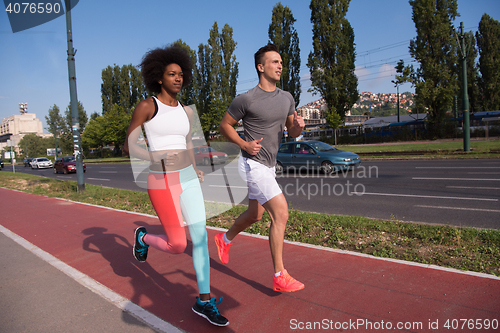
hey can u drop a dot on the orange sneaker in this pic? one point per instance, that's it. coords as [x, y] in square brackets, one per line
[222, 248]
[286, 283]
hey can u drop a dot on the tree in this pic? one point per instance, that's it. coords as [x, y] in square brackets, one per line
[284, 36]
[31, 145]
[216, 77]
[108, 129]
[116, 123]
[488, 43]
[472, 76]
[54, 120]
[110, 87]
[331, 63]
[94, 115]
[82, 118]
[187, 96]
[333, 119]
[67, 133]
[435, 48]
[55, 123]
[400, 79]
[122, 86]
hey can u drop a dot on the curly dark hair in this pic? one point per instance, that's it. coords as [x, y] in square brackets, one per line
[155, 61]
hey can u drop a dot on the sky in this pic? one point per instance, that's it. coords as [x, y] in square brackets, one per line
[34, 67]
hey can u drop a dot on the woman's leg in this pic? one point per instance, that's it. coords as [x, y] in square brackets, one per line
[193, 209]
[164, 190]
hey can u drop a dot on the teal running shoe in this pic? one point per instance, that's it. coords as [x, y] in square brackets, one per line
[140, 248]
[209, 311]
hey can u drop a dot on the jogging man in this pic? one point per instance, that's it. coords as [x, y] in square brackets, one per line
[265, 110]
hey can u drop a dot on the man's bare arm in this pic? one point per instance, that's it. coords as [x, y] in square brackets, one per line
[226, 128]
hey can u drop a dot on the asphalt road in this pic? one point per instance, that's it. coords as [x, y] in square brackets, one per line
[454, 192]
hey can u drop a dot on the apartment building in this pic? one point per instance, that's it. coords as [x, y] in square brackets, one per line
[15, 127]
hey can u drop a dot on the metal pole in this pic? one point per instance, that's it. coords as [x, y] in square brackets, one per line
[12, 160]
[74, 102]
[397, 86]
[465, 114]
[455, 107]
[55, 144]
[11, 143]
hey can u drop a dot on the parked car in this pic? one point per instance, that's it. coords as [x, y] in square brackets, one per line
[301, 155]
[207, 155]
[27, 162]
[66, 164]
[1, 164]
[41, 162]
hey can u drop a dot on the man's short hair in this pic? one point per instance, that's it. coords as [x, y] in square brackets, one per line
[260, 54]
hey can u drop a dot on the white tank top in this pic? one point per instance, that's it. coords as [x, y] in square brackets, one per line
[168, 127]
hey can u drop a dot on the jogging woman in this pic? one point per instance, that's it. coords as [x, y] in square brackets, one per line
[173, 181]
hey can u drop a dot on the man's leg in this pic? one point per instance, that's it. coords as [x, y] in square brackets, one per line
[277, 208]
[246, 219]
[249, 217]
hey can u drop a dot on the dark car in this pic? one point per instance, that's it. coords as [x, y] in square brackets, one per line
[1, 164]
[66, 164]
[207, 155]
[301, 155]
[27, 162]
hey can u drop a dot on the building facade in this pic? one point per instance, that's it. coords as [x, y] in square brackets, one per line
[15, 127]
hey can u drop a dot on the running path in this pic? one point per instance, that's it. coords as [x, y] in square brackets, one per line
[343, 290]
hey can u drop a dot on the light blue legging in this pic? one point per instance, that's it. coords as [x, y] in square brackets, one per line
[175, 194]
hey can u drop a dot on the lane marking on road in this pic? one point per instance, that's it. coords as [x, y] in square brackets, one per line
[428, 178]
[483, 173]
[107, 171]
[451, 168]
[99, 179]
[460, 208]
[224, 186]
[422, 196]
[475, 188]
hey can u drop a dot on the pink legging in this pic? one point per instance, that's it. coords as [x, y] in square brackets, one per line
[174, 195]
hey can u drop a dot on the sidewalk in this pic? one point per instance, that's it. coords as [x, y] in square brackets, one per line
[68, 267]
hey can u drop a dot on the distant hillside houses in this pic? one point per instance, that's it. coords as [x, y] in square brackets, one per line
[369, 100]
[312, 112]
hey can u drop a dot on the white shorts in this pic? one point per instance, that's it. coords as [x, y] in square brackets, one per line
[261, 180]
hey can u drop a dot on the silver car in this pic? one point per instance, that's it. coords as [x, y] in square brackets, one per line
[41, 162]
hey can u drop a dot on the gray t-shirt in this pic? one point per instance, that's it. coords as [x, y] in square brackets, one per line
[264, 116]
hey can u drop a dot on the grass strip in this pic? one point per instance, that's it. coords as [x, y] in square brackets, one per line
[463, 248]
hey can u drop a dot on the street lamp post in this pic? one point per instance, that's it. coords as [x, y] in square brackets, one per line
[397, 87]
[10, 143]
[465, 96]
[23, 108]
[74, 102]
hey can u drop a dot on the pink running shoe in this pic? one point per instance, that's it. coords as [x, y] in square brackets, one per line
[222, 248]
[286, 283]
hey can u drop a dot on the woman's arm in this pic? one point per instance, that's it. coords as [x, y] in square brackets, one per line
[142, 113]
[189, 143]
